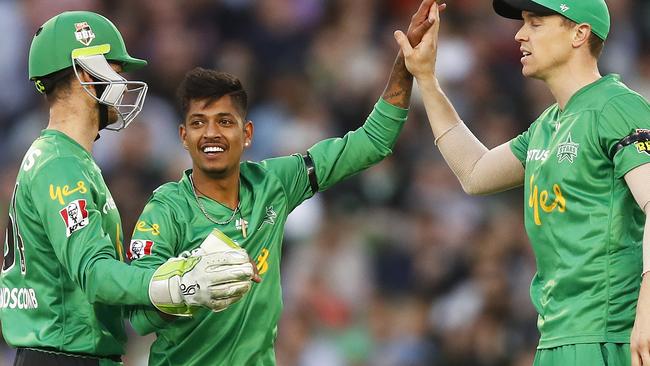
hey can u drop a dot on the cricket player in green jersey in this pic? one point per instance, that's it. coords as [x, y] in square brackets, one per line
[63, 282]
[247, 202]
[584, 167]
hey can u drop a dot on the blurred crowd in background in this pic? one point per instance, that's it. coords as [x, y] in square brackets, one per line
[396, 266]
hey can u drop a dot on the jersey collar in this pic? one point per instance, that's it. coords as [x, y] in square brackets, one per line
[76, 147]
[586, 90]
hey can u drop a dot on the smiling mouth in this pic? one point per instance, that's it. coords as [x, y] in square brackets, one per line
[212, 150]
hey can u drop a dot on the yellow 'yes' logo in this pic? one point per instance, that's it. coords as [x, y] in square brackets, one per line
[262, 264]
[143, 227]
[538, 200]
[59, 192]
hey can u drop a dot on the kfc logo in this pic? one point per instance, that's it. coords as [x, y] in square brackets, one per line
[75, 216]
[139, 248]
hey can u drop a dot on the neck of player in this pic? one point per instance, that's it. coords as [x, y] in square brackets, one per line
[79, 120]
[571, 77]
[224, 190]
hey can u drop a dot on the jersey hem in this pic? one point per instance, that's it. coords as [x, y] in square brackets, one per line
[563, 341]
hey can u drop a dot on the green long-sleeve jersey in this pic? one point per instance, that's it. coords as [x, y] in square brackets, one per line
[585, 227]
[172, 222]
[62, 284]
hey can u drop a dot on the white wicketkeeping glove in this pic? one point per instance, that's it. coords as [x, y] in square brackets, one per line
[215, 275]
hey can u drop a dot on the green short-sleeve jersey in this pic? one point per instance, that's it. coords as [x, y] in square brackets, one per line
[61, 283]
[172, 222]
[585, 227]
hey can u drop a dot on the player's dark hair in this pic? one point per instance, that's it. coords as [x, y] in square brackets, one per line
[210, 85]
[57, 84]
[594, 42]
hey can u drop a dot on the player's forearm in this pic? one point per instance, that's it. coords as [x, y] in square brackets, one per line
[441, 113]
[112, 282]
[339, 158]
[636, 180]
[400, 84]
[479, 170]
[145, 320]
[646, 241]
[383, 126]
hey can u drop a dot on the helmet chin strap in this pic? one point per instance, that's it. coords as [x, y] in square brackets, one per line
[103, 118]
[103, 108]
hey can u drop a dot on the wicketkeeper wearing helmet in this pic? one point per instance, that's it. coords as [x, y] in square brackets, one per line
[63, 283]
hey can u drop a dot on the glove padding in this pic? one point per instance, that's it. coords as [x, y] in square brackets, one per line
[215, 275]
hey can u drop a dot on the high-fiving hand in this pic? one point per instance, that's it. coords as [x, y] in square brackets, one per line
[419, 44]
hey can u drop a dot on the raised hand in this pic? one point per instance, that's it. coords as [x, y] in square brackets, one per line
[421, 59]
[422, 20]
[398, 89]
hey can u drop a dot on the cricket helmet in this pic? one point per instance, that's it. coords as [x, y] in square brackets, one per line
[88, 40]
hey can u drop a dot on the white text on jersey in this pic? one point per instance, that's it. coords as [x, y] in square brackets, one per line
[21, 298]
[536, 155]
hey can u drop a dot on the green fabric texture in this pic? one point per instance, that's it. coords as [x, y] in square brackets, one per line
[592, 12]
[53, 43]
[592, 354]
[584, 225]
[244, 334]
[63, 251]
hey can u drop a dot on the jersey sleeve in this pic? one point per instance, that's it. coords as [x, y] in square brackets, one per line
[624, 132]
[519, 145]
[73, 225]
[153, 242]
[292, 173]
[339, 158]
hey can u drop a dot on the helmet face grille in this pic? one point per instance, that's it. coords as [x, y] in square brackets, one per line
[124, 96]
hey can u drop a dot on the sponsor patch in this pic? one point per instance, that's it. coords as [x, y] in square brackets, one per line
[642, 142]
[83, 33]
[57, 194]
[640, 138]
[262, 264]
[139, 248]
[75, 216]
[143, 227]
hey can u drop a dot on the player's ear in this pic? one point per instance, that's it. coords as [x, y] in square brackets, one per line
[84, 76]
[182, 134]
[581, 34]
[248, 133]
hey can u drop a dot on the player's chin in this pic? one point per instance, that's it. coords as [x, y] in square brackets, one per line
[214, 170]
[529, 72]
[112, 115]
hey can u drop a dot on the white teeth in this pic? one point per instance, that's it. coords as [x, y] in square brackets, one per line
[526, 53]
[212, 149]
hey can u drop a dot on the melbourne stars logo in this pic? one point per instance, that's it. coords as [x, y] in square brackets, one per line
[567, 150]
